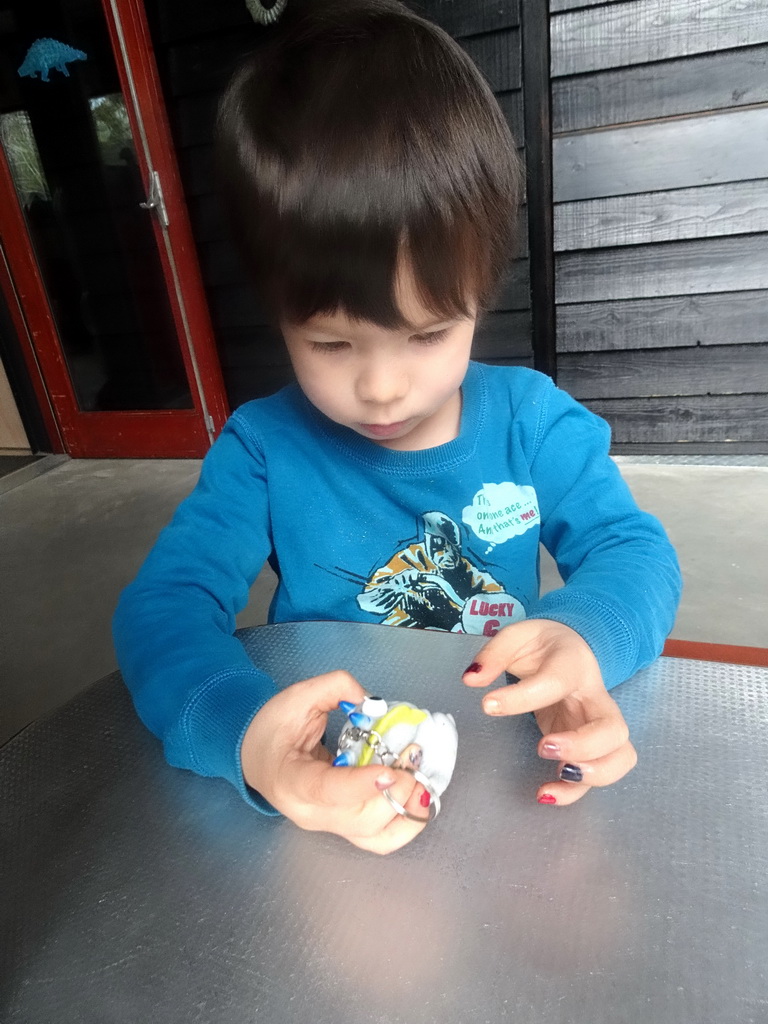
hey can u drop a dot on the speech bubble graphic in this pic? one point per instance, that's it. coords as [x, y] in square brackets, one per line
[501, 511]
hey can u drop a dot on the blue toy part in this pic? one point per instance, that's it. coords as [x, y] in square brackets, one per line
[360, 720]
[45, 55]
[344, 759]
[346, 706]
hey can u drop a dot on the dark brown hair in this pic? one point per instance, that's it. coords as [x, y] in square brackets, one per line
[356, 137]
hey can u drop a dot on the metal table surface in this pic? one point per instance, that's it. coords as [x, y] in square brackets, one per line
[134, 892]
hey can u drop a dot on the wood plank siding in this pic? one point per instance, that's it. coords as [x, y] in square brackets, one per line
[197, 47]
[659, 110]
[660, 157]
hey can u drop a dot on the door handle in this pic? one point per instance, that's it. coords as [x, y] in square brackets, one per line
[155, 199]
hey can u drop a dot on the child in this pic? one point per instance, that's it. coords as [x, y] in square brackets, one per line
[373, 184]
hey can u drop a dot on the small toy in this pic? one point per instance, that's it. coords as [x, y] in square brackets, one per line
[400, 735]
[46, 54]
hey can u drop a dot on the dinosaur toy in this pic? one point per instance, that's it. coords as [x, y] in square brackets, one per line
[45, 55]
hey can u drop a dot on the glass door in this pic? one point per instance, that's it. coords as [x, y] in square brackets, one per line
[97, 250]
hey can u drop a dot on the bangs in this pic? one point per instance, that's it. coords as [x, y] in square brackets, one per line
[333, 263]
[360, 143]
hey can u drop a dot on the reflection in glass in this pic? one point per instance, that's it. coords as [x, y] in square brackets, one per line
[23, 158]
[71, 153]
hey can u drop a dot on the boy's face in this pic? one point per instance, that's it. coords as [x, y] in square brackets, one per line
[398, 388]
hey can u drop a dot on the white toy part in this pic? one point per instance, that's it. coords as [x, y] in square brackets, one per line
[374, 707]
[265, 15]
[379, 733]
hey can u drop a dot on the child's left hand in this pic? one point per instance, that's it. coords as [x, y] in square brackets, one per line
[560, 682]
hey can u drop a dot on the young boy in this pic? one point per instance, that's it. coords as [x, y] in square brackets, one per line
[373, 184]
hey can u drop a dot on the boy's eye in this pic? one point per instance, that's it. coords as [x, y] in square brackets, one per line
[328, 346]
[428, 338]
[431, 338]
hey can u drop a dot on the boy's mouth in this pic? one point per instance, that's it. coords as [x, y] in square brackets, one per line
[383, 429]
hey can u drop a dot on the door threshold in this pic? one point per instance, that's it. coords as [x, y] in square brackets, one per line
[19, 469]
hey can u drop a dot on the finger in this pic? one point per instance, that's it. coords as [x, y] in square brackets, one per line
[304, 707]
[603, 771]
[514, 649]
[605, 732]
[561, 794]
[576, 780]
[399, 830]
[532, 694]
[338, 786]
[382, 828]
[325, 691]
[323, 797]
[411, 796]
[398, 833]
[357, 810]
[331, 785]
[323, 753]
[379, 826]
[407, 793]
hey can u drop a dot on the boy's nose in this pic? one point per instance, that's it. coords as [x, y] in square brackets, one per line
[382, 384]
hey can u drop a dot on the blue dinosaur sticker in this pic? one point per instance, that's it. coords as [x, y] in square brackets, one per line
[45, 55]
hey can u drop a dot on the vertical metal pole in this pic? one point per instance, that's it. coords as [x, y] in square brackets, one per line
[537, 101]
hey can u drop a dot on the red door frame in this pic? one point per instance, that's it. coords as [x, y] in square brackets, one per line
[176, 433]
[27, 302]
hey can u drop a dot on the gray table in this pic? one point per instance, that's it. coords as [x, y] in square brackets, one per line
[134, 892]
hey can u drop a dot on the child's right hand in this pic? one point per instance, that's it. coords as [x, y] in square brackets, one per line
[283, 758]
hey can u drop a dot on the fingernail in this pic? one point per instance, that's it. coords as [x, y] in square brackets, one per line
[416, 756]
[547, 798]
[425, 799]
[474, 667]
[385, 781]
[360, 720]
[344, 759]
[571, 773]
[346, 706]
[491, 706]
[550, 750]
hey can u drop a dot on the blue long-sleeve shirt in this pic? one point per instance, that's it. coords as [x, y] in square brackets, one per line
[444, 538]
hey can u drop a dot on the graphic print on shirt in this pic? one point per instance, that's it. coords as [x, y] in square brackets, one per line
[431, 584]
[500, 512]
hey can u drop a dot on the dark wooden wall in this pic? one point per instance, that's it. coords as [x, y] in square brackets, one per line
[490, 32]
[660, 151]
[660, 117]
[197, 47]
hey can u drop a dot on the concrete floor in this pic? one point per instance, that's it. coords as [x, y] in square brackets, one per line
[70, 539]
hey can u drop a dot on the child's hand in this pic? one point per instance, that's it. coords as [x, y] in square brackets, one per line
[283, 758]
[560, 682]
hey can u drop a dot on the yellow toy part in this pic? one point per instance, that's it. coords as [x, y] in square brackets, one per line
[400, 714]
